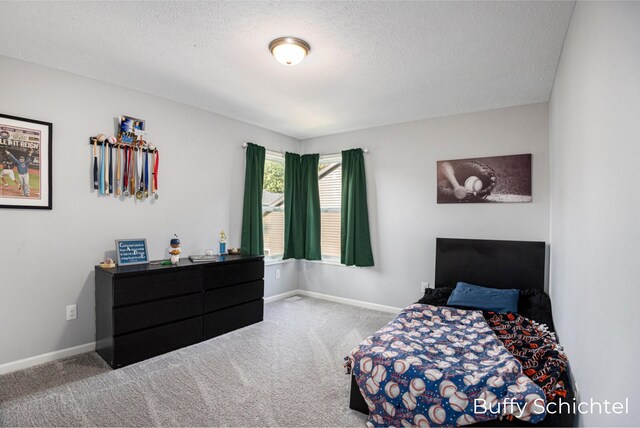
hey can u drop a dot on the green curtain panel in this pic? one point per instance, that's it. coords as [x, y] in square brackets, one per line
[252, 234]
[301, 207]
[294, 221]
[355, 239]
[311, 197]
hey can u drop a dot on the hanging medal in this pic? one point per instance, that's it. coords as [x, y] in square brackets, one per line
[156, 155]
[153, 172]
[125, 173]
[118, 167]
[132, 169]
[139, 175]
[134, 185]
[142, 173]
[146, 174]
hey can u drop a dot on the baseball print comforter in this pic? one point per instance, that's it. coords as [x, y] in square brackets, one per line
[440, 366]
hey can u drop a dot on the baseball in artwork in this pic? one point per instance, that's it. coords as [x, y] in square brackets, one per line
[490, 179]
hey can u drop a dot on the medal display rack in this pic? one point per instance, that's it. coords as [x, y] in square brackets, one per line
[129, 171]
[135, 145]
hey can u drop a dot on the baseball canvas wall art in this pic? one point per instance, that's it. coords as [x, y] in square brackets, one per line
[491, 179]
[25, 163]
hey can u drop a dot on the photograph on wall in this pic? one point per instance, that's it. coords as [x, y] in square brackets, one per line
[130, 129]
[25, 163]
[491, 179]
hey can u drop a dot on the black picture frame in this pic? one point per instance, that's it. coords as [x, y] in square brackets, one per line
[126, 258]
[19, 138]
[494, 179]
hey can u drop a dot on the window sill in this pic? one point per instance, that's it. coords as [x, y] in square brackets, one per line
[319, 262]
[336, 263]
[327, 262]
[277, 261]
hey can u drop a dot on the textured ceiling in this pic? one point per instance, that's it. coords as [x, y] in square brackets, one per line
[371, 63]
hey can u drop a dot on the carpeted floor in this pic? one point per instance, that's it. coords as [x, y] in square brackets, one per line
[284, 371]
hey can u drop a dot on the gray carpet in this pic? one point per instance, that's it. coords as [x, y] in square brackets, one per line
[284, 371]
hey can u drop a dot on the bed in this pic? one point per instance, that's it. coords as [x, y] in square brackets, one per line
[496, 264]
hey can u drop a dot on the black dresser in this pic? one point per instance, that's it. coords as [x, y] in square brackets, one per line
[147, 310]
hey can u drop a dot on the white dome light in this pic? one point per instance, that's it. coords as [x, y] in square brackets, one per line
[289, 50]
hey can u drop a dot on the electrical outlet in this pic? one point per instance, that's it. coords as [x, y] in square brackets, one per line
[277, 273]
[423, 286]
[72, 312]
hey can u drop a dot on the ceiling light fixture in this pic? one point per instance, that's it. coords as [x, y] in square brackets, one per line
[289, 50]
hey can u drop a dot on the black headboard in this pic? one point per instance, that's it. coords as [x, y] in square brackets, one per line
[496, 264]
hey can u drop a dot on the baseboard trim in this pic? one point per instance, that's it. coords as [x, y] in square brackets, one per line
[336, 299]
[46, 358]
[281, 296]
[352, 302]
[88, 347]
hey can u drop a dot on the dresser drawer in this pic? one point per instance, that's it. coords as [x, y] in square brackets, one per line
[221, 275]
[143, 288]
[226, 320]
[232, 295]
[144, 315]
[134, 347]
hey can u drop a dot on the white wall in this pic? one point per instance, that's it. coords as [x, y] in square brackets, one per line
[595, 237]
[48, 256]
[403, 214]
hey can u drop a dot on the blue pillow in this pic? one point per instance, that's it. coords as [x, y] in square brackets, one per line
[484, 298]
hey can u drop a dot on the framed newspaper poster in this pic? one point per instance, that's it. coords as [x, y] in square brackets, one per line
[25, 163]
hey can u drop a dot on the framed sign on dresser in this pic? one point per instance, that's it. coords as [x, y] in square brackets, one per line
[147, 310]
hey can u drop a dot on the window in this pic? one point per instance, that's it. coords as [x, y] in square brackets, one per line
[330, 186]
[273, 206]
